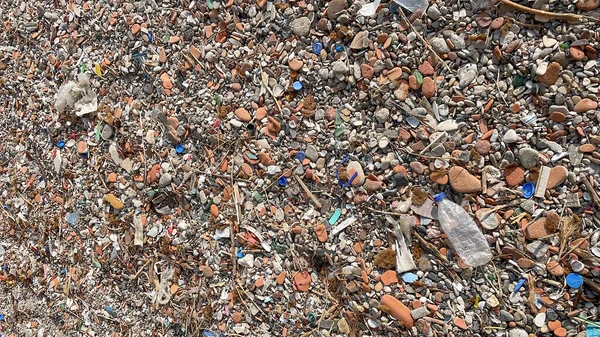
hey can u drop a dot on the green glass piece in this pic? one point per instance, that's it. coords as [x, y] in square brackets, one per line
[517, 81]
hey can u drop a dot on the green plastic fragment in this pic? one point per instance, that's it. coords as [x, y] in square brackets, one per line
[418, 76]
[339, 131]
[336, 216]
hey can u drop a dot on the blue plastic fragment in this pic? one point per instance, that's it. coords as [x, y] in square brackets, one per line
[337, 173]
[317, 47]
[240, 253]
[297, 85]
[72, 217]
[410, 277]
[339, 48]
[60, 144]
[593, 331]
[336, 216]
[519, 285]
[179, 148]
[282, 181]
[1, 317]
[109, 309]
[574, 280]
[300, 155]
[528, 190]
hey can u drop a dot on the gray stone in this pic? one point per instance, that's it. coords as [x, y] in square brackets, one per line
[459, 42]
[311, 153]
[335, 6]
[439, 45]
[466, 75]
[382, 115]
[529, 157]
[517, 333]
[448, 125]
[301, 26]
[107, 132]
[360, 41]
[419, 312]
[510, 137]
[425, 264]
[575, 156]
[434, 13]
[506, 316]
[339, 68]
[165, 180]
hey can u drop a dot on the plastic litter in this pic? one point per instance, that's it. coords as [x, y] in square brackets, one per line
[336, 215]
[282, 181]
[60, 144]
[300, 155]
[179, 148]
[369, 9]
[528, 190]
[317, 47]
[77, 95]
[519, 285]
[413, 5]
[337, 173]
[463, 232]
[297, 85]
[574, 280]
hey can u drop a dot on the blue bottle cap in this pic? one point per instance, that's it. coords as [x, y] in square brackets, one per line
[317, 47]
[339, 48]
[60, 144]
[439, 197]
[300, 155]
[574, 280]
[179, 148]
[528, 190]
[282, 181]
[297, 85]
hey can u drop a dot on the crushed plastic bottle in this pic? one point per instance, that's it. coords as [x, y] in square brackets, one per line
[464, 234]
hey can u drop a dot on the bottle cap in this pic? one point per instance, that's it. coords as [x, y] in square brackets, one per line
[439, 197]
[317, 47]
[574, 280]
[179, 148]
[528, 190]
[297, 85]
[60, 144]
[300, 155]
[282, 181]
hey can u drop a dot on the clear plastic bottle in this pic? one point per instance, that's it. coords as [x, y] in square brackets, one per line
[464, 234]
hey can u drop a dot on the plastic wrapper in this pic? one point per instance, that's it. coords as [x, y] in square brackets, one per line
[77, 95]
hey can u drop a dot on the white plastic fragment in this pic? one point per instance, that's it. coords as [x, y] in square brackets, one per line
[369, 9]
[341, 226]
[77, 95]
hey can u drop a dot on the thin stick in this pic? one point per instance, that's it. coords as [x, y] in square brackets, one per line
[236, 195]
[310, 195]
[430, 247]
[263, 78]
[133, 277]
[562, 16]
[590, 189]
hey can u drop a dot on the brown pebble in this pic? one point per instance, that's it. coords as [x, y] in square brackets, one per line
[497, 23]
[555, 268]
